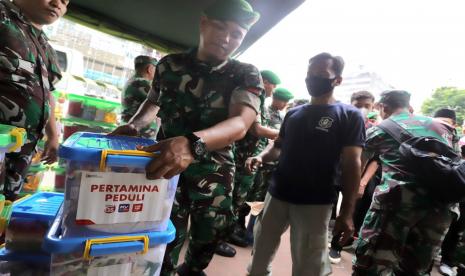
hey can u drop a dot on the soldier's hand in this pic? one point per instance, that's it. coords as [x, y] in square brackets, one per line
[125, 130]
[252, 164]
[344, 226]
[275, 135]
[174, 157]
[50, 154]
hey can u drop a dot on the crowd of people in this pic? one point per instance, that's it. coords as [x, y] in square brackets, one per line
[238, 158]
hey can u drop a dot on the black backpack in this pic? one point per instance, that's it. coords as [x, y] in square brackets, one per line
[432, 162]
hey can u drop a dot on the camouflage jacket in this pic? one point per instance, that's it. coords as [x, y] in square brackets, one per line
[28, 69]
[194, 96]
[134, 94]
[270, 118]
[397, 187]
[275, 119]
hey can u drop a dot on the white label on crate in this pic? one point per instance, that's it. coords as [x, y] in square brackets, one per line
[110, 197]
[110, 270]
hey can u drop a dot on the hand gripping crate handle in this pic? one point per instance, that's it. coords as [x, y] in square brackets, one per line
[18, 133]
[86, 256]
[106, 152]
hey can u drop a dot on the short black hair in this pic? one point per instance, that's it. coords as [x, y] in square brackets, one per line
[395, 99]
[362, 95]
[338, 62]
[445, 113]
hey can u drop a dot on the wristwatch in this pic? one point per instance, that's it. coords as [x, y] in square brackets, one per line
[198, 146]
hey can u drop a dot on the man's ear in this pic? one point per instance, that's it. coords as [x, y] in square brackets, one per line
[338, 81]
[151, 69]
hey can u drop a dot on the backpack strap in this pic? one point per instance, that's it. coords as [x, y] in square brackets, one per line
[394, 130]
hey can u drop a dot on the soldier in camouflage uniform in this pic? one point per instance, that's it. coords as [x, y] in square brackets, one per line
[28, 69]
[281, 97]
[206, 102]
[257, 192]
[136, 90]
[251, 145]
[404, 227]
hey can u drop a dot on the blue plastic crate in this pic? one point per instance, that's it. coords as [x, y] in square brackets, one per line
[88, 147]
[134, 254]
[41, 206]
[106, 155]
[54, 243]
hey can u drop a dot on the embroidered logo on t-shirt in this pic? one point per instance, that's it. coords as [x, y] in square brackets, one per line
[325, 123]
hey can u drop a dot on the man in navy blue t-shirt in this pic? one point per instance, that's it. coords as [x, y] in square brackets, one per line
[313, 139]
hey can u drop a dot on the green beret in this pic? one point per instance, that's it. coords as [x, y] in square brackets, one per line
[282, 94]
[145, 60]
[395, 96]
[239, 11]
[372, 115]
[270, 77]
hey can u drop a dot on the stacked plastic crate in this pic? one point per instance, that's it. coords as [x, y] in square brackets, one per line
[114, 220]
[28, 224]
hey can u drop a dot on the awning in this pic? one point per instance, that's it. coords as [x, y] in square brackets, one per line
[167, 25]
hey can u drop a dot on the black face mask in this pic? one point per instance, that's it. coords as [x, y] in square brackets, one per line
[318, 86]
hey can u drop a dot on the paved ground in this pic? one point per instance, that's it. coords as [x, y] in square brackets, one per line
[282, 265]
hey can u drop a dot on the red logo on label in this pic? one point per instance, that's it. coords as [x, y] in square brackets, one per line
[110, 209]
[137, 207]
[123, 208]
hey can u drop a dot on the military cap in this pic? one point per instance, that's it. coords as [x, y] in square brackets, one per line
[394, 97]
[270, 77]
[372, 115]
[145, 60]
[239, 11]
[282, 94]
[445, 113]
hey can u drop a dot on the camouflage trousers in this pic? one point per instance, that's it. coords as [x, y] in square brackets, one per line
[400, 241]
[453, 246]
[260, 184]
[205, 195]
[243, 184]
[15, 170]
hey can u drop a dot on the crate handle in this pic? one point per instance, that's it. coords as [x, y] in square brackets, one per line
[18, 133]
[106, 152]
[86, 256]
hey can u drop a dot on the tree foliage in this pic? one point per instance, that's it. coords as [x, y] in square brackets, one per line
[446, 97]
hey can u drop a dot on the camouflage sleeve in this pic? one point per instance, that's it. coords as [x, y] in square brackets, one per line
[154, 94]
[249, 89]
[260, 116]
[55, 72]
[447, 132]
[138, 90]
[373, 142]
